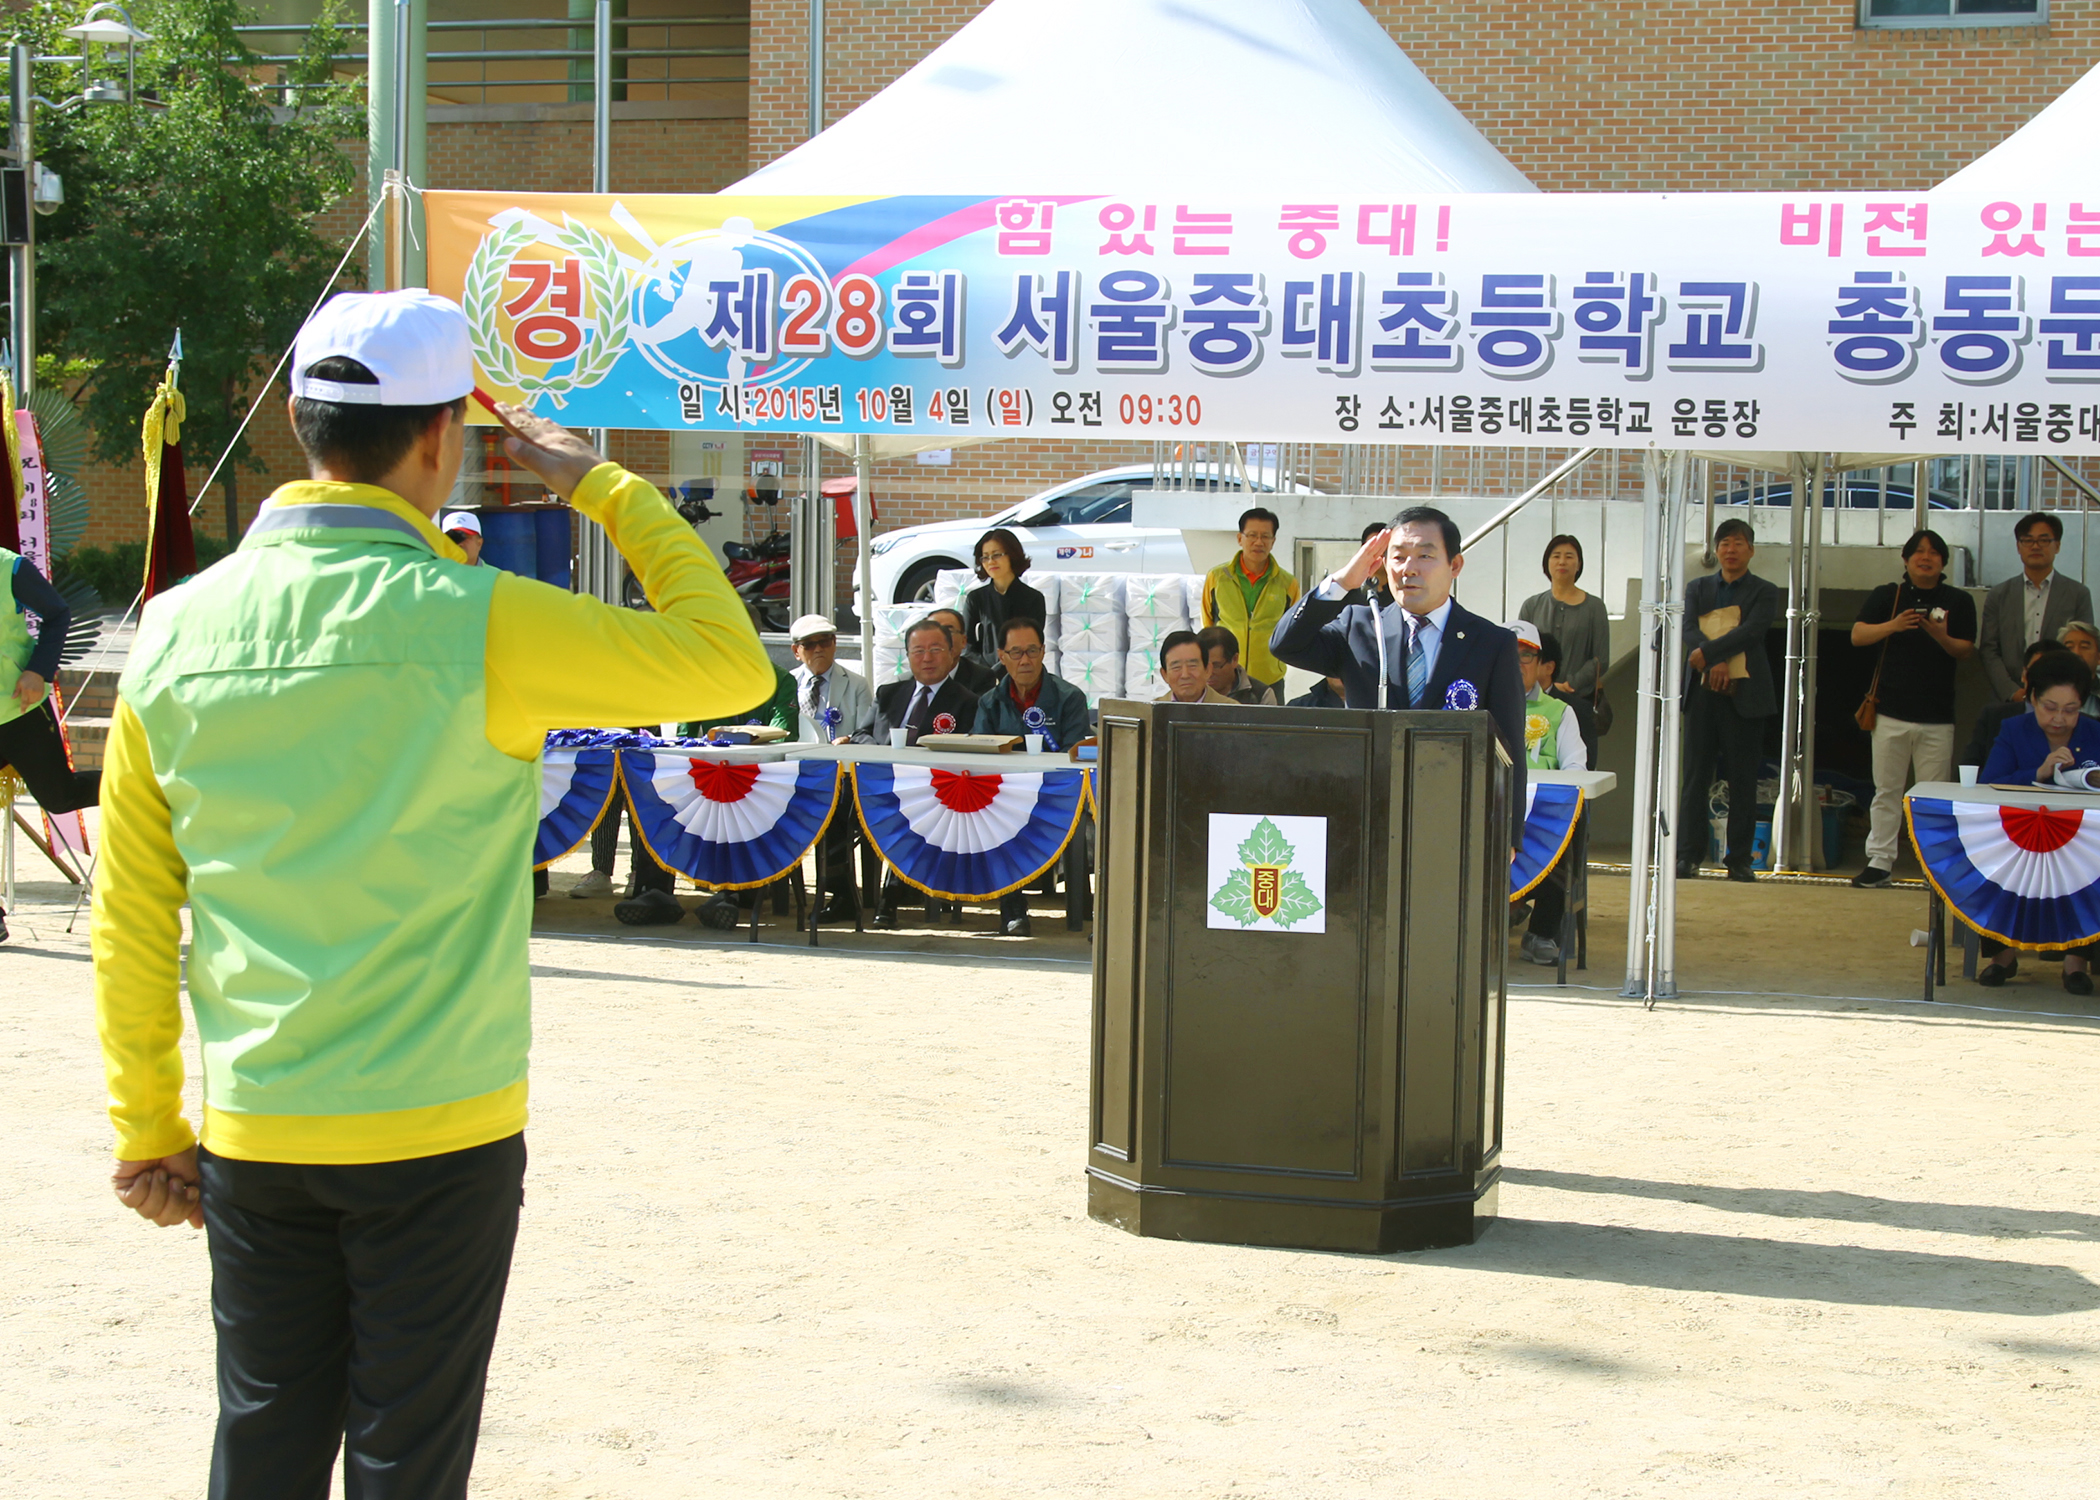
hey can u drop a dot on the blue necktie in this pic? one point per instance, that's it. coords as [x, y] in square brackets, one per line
[1417, 660]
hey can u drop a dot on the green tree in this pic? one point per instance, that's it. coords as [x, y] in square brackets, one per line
[192, 208]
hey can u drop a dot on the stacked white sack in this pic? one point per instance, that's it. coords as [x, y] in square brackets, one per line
[1192, 586]
[1146, 689]
[1090, 593]
[1145, 637]
[1093, 633]
[1098, 674]
[949, 585]
[1155, 596]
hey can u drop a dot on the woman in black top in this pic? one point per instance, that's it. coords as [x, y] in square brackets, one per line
[30, 741]
[1001, 597]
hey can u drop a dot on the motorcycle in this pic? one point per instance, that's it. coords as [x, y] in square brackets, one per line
[758, 571]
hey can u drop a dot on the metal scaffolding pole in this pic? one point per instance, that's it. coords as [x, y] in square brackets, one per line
[863, 512]
[21, 259]
[1790, 687]
[1669, 758]
[1808, 818]
[1640, 925]
[601, 97]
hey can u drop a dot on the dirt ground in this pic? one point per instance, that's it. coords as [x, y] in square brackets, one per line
[813, 1224]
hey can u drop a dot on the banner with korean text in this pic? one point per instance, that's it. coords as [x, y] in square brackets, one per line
[1883, 322]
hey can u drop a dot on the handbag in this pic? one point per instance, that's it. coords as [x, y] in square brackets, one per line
[1869, 706]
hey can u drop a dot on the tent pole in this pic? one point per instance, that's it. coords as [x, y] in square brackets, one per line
[1789, 709]
[863, 508]
[1644, 785]
[1810, 816]
[1669, 722]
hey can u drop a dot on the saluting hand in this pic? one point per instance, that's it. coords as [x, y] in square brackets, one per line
[1365, 563]
[556, 455]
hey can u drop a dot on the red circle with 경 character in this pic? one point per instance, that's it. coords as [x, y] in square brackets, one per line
[960, 791]
[2040, 830]
[723, 780]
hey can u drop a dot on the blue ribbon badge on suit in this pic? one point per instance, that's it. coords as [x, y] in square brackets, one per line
[1462, 695]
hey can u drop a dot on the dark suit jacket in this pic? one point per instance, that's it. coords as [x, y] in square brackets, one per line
[2001, 642]
[1761, 604]
[893, 702]
[1333, 638]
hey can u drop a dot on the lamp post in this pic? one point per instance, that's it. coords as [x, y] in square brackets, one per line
[32, 187]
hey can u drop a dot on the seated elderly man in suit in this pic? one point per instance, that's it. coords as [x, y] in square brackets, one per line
[1438, 654]
[930, 701]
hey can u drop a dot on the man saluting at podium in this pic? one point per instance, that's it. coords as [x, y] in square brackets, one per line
[1437, 653]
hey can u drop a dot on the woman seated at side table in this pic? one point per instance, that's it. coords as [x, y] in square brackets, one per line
[2054, 744]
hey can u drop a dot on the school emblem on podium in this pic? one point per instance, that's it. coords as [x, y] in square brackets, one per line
[1268, 873]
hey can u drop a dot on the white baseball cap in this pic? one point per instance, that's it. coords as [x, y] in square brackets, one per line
[461, 520]
[417, 343]
[1526, 632]
[811, 625]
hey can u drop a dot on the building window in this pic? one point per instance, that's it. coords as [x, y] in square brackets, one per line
[1915, 13]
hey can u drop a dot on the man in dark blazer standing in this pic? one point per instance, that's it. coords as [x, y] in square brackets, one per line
[1725, 713]
[2034, 604]
[920, 703]
[1438, 653]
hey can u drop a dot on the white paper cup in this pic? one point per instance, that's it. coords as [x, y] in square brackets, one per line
[1035, 744]
[1968, 775]
[898, 737]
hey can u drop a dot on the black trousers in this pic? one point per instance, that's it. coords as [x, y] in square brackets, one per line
[1549, 903]
[643, 872]
[31, 744]
[1714, 733]
[356, 1306]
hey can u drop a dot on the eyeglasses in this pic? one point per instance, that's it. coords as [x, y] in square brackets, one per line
[1021, 653]
[991, 554]
[919, 653]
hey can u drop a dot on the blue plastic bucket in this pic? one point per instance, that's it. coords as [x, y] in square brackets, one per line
[550, 529]
[507, 542]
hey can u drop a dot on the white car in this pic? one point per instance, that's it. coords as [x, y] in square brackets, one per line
[1080, 526]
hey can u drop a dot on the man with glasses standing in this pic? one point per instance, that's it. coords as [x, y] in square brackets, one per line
[2035, 603]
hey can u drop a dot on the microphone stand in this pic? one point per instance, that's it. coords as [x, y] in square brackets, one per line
[1385, 681]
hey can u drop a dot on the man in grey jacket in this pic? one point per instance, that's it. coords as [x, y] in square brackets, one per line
[2035, 603]
[1725, 708]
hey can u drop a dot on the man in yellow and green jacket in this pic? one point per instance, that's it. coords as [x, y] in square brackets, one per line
[328, 745]
[1250, 594]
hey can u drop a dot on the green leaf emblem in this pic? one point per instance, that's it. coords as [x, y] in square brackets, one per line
[1297, 901]
[1235, 898]
[1266, 845]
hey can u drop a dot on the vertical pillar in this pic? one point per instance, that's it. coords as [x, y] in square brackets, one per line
[397, 80]
[1783, 808]
[1639, 920]
[1669, 755]
[21, 259]
[601, 96]
[1808, 818]
[816, 67]
[863, 510]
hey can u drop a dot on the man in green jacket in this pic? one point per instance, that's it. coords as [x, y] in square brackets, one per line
[1248, 595]
[328, 745]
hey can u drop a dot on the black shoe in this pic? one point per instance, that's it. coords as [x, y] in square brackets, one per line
[885, 918]
[1872, 876]
[1687, 869]
[1017, 927]
[1742, 873]
[3, 926]
[2079, 982]
[649, 908]
[719, 911]
[836, 908]
[1990, 976]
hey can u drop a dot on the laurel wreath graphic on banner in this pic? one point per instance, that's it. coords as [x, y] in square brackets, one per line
[612, 295]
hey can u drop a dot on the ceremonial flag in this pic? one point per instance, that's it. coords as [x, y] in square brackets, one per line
[171, 547]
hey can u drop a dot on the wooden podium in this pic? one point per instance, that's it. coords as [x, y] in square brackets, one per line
[1300, 929]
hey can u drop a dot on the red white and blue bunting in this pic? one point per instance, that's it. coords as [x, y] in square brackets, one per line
[968, 835]
[728, 825]
[2027, 876]
[1550, 811]
[576, 786]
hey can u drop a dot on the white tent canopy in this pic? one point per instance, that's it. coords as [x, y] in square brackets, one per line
[2045, 156]
[1186, 98]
